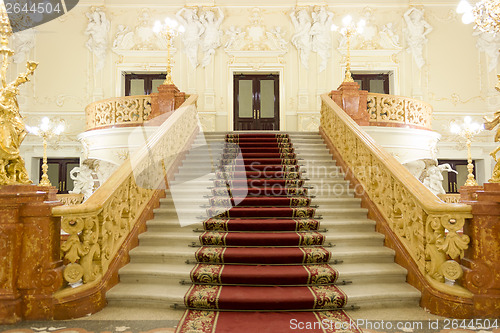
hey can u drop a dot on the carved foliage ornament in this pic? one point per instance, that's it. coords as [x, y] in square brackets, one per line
[432, 239]
[95, 237]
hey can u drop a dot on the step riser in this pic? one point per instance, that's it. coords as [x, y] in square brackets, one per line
[150, 278]
[164, 279]
[167, 302]
[166, 258]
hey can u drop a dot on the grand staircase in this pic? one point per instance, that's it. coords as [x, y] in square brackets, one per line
[159, 271]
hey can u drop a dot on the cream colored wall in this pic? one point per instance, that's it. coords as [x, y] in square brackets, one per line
[454, 80]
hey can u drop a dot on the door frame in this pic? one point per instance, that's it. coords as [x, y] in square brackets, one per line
[256, 102]
[249, 70]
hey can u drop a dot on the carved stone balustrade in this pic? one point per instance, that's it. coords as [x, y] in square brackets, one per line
[398, 111]
[126, 110]
[70, 199]
[423, 230]
[101, 230]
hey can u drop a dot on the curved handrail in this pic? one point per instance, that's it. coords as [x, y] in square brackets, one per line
[130, 110]
[426, 226]
[97, 228]
[391, 110]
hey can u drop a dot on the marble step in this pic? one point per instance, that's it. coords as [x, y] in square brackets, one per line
[367, 295]
[172, 224]
[337, 238]
[158, 273]
[353, 254]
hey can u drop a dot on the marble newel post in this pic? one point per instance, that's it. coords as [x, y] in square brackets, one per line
[30, 264]
[167, 99]
[353, 101]
[482, 258]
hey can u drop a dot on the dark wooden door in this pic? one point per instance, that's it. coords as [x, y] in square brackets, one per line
[374, 83]
[452, 181]
[256, 102]
[59, 172]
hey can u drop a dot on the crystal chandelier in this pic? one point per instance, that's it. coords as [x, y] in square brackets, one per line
[485, 14]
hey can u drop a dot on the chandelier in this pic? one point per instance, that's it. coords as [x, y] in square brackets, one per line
[485, 14]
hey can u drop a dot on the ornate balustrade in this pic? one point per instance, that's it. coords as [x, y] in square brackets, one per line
[98, 227]
[425, 226]
[70, 199]
[128, 110]
[397, 111]
[450, 198]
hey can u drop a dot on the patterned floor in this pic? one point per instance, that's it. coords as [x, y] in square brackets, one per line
[168, 326]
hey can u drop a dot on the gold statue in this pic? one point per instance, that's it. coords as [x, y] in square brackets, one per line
[489, 125]
[12, 130]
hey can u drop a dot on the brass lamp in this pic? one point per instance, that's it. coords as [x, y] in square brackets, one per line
[468, 129]
[168, 30]
[348, 30]
[46, 130]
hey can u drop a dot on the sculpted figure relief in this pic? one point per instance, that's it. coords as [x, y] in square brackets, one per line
[416, 32]
[434, 178]
[191, 37]
[489, 44]
[97, 31]
[22, 43]
[321, 34]
[302, 36]
[211, 38]
[83, 180]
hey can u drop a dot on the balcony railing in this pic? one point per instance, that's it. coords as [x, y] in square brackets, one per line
[397, 111]
[126, 110]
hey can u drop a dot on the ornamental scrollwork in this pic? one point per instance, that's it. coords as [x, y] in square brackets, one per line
[97, 228]
[119, 110]
[398, 110]
[429, 230]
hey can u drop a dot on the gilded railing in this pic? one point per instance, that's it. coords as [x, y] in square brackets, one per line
[389, 110]
[97, 228]
[70, 199]
[118, 110]
[450, 197]
[427, 227]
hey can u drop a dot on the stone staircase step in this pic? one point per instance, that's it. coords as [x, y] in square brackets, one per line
[369, 273]
[381, 295]
[152, 295]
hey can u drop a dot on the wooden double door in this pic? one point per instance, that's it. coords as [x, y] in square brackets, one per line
[256, 102]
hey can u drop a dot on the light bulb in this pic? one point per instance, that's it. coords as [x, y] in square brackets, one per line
[334, 27]
[464, 7]
[468, 18]
[59, 129]
[33, 130]
[454, 128]
[347, 20]
[467, 120]
[181, 29]
[361, 23]
[157, 27]
[44, 126]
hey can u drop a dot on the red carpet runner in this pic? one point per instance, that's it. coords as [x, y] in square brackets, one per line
[262, 266]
